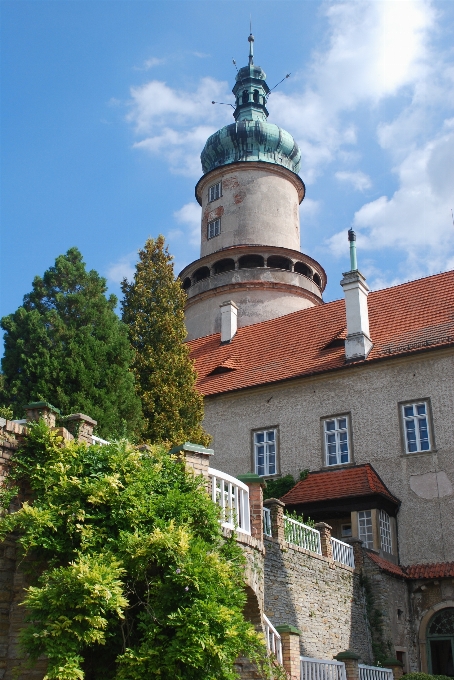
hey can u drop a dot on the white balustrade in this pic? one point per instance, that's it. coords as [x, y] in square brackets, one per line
[374, 673]
[273, 639]
[342, 552]
[98, 440]
[267, 522]
[232, 496]
[322, 669]
[301, 535]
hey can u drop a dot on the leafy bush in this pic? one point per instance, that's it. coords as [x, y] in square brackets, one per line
[135, 579]
[425, 676]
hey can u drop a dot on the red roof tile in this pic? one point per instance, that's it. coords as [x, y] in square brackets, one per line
[386, 565]
[405, 318]
[415, 571]
[360, 480]
[439, 570]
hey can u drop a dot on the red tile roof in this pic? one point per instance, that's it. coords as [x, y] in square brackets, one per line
[415, 571]
[403, 319]
[360, 480]
[439, 570]
[387, 566]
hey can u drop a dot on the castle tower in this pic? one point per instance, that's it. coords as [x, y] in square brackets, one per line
[250, 232]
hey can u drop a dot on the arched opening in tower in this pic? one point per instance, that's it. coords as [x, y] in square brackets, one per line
[200, 274]
[251, 261]
[301, 268]
[225, 265]
[278, 262]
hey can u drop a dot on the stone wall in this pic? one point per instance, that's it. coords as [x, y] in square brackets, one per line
[323, 599]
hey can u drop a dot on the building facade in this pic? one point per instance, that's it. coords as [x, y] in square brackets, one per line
[359, 392]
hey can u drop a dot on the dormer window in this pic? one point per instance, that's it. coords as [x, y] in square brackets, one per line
[215, 192]
[214, 228]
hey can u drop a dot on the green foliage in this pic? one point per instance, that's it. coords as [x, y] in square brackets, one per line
[138, 581]
[153, 310]
[6, 412]
[66, 345]
[276, 488]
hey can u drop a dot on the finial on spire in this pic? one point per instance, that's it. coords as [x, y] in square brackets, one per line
[251, 48]
[352, 240]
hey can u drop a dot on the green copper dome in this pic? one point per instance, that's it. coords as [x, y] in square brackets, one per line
[251, 137]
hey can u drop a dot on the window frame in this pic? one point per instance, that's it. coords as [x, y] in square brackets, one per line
[370, 547]
[213, 186]
[213, 222]
[385, 533]
[336, 417]
[430, 429]
[256, 431]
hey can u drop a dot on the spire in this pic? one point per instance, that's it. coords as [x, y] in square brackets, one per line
[251, 90]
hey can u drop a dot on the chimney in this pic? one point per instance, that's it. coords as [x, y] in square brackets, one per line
[357, 343]
[229, 321]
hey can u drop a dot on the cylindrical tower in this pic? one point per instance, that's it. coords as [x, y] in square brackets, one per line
[250, 233]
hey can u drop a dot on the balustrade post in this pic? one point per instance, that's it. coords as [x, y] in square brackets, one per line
[196, 457]
[325, 539]
[290, 640]
[351, 660]
[276, 508]
[80, 426]
[396, 667]
[358, 553]
[256, 485]
[42, 409]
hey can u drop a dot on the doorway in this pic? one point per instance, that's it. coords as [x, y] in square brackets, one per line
[440, 639]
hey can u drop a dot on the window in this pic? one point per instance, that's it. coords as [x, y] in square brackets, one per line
[214, 228]
[265, 452]
[336, 441]
[416, 428]
[215, 192]
[385, 532]
[365, 528]
[346, 530]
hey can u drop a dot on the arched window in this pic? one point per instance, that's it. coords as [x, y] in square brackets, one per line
[278, 262]
[200, 274]
[303, 269]
[440, 639]
[317, 280]
[187, 283]
[226, 265]
[245, 97]
[256, 96]
[251, 261]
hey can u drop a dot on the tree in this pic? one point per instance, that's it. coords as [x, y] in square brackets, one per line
[67, 346]
[138, 581]
[153, 310]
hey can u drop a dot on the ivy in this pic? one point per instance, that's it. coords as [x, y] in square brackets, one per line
[135, 579]
[381, 648]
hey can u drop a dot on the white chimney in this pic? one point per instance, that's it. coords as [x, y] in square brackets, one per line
[229, 320]
[357, 343]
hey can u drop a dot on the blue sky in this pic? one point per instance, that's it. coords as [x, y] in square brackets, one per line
[106, 106]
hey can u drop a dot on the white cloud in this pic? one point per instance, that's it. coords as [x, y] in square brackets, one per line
[190, 216]
[179, 121]
[309, 207]
[123, 268]
[416, 220]
[359, 180]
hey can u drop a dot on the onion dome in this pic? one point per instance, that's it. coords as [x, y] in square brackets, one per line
[251, 137]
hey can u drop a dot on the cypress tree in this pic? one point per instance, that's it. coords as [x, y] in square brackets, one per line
[67, 346]
[153, 310]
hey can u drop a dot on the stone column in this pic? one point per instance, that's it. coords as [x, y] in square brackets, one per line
[196, 457]
[290, 638]
[325, 539]
[277, 517]
[81, 426]
[358, 553]
[255, 484]
[42, 409]
[350, 659]
[396, 667]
